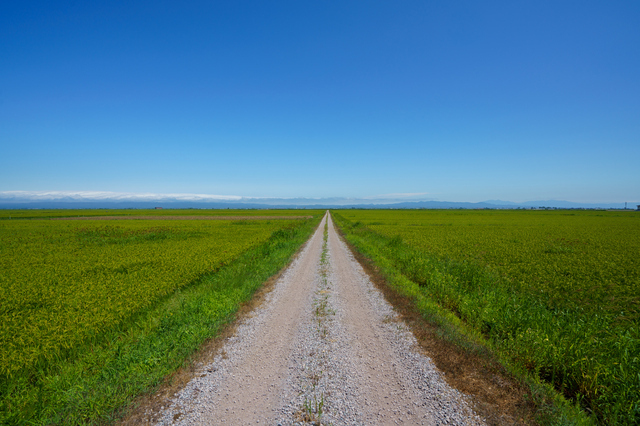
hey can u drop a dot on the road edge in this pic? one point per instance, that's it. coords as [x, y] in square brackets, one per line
[147, 407]
[470, 373]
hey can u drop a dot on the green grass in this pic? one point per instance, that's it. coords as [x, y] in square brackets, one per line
[554, 295]
[102, 372]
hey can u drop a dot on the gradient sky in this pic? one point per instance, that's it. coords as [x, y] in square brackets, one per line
[463, 101]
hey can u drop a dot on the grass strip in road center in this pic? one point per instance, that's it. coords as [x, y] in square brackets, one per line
[313, 405]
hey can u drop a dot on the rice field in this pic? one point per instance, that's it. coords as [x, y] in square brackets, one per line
[558, 292]
[70, 287]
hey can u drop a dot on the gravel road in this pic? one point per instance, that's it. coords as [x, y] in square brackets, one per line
[323, 348]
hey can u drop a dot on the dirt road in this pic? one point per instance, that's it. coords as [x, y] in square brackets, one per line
[324, 348]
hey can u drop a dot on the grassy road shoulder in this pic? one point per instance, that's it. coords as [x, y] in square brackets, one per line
[459, 339]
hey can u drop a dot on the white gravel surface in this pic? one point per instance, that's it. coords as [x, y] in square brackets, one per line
[324, 348]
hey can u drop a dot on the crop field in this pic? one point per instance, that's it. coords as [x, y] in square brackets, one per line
[54, 213]
[67, 284]
[556, 292]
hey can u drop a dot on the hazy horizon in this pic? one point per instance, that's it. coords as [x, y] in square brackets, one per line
[110, 199]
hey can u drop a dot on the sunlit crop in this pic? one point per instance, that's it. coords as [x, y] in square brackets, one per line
[96, 312]
[557, 291]
[65, 282]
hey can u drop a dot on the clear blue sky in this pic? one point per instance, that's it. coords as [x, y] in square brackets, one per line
[464, 101]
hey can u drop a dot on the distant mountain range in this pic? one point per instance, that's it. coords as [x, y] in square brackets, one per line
[113, 200]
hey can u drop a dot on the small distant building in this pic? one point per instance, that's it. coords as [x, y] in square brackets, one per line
[158, 208]
[638, 207]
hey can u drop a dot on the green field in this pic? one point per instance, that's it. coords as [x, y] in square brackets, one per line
[556, 292]
[95, 311]
[53, 213]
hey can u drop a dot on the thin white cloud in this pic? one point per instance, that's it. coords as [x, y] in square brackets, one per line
[400, 195]
[110, 196]
[132, 197]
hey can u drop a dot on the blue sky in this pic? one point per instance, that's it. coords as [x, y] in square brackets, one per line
[455, 100]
